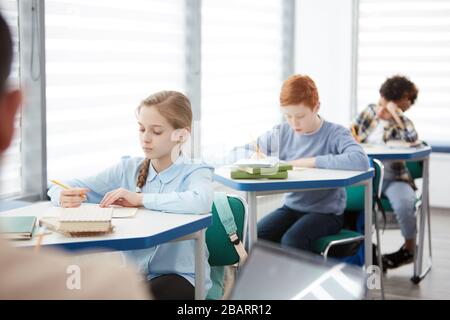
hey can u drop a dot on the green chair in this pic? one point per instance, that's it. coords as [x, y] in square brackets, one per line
[347, 242]
[222, 251]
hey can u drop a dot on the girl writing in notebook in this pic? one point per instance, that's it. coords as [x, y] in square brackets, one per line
[164, 180]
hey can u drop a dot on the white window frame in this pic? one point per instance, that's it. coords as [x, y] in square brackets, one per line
[32, 56]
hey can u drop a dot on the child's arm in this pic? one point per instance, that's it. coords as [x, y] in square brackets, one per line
[304, 162]
[347, 155]
[268, 144]
[357, 123]
[98, 184]
[197, 197]
[404, 126]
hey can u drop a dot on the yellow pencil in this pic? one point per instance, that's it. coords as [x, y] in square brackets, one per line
[355, 135]
[258, 152]
[62, 185]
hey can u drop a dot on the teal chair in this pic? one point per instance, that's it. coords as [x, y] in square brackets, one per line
[347, 242]
[222, 251]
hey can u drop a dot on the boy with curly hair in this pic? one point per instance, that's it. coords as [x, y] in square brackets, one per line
[383, 122]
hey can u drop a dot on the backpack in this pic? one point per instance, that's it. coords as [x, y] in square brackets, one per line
[224, 240]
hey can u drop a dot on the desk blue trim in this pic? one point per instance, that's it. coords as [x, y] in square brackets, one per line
[292, 185]
[420, 154]
[127, 244]
[441, 148]
[137, 243]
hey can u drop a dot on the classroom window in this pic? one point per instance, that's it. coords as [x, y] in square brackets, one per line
[242, 65]
[410, 38]
[102, 58]
[10, 172]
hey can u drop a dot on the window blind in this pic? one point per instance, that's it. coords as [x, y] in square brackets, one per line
[412, 38]
[103, 58]
[242, 65]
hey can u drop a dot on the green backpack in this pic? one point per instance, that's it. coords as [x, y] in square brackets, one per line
[223, 239]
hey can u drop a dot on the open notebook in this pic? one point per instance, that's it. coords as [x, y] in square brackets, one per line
[92, 209]
[266, 162]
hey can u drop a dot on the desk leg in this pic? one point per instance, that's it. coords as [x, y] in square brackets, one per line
[200, 265]
[380, 262]
[424, 218]
[252, 221]
[368, 223]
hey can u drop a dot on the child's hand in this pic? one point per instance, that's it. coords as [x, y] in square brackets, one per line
[258, 155]
[355, 132]
[383, 113]
[122, 197]
[72, 198]
[392, 108]
[304, 162]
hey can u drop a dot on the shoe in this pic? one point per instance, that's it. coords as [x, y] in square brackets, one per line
[397, 259]
[375, 258]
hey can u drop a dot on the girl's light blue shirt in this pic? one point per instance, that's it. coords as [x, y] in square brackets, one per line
[184, 187]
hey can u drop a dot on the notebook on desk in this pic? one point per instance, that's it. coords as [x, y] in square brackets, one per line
[17, 228]
[249, 169]
[394, 144]
[123, 212]
[84, 220]
[403, 144]
[266, 162]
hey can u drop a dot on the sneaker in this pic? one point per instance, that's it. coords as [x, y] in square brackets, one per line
[397, 259]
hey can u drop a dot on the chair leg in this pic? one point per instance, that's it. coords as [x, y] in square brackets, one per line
[424, 218]
[380, 261]
[419, 274]
[429, 229]
[325, 255]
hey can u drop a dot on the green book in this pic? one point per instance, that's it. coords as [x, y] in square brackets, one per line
[17, 228]
[238, 174]
[283, 166]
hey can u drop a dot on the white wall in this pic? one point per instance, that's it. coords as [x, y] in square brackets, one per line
[440, 180]
[324, 50]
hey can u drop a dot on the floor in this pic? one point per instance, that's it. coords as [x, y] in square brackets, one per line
[398, 285]
[436, 283]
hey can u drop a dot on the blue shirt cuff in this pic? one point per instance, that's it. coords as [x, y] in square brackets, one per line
[322, 162]
[149, 200]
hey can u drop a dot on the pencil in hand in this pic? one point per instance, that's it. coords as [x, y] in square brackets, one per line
[355, 135]
[257, 148]
[62, 185]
